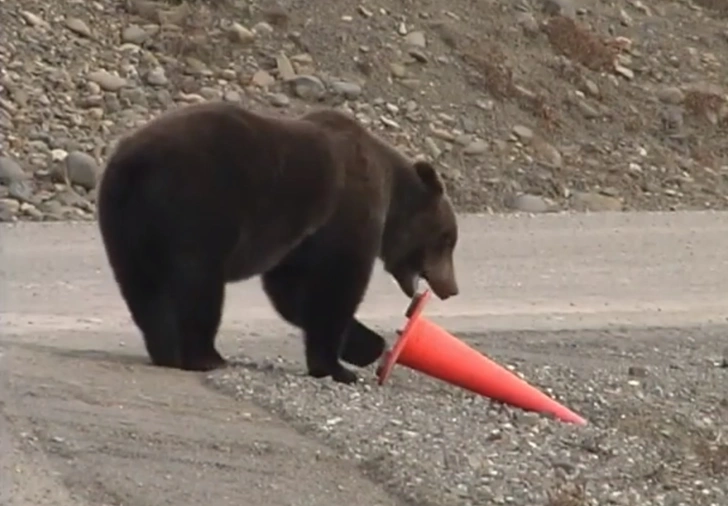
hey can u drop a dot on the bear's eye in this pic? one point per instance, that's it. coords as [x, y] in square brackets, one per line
[447, 241]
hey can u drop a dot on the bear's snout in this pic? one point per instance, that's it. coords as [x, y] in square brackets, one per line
[443, 282]
[445, 291]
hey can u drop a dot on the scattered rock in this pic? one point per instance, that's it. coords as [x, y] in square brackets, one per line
[69, 198]
[308, 87]
[157, 77]
[624, 71]
[9, 209]
[594, 202]
[398, 70]
[107, 81]
[231, 96]
[54, 210]
[263, 28]
[671, 95]
[242, 34]
[528, 203]
[673, 118]
[210, 93]
[22, 191]
[82, 169]
[591, 88]
[433, 148]
[418, 55]
[547, 154]
[134, 34]
[31, 211]
[416, 39]
[263, 79]
[78, 26]
[476, 147]
[279, 99]
[10, 171]
[285, 68]
[528, 23]
[34, 20]
[587, 110]
[524, 134]
[351, 91]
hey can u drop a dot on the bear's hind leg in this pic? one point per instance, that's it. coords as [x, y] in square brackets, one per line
[199, 294]
[152, 311]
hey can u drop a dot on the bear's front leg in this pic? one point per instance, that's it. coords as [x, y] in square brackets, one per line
[363, 346]
[334, 287]
[325, 335]
[319, 366]
[286, 286]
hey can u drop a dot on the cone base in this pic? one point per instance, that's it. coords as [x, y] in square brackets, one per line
[390, 358]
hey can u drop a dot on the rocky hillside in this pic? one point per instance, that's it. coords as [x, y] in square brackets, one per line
[530, 105]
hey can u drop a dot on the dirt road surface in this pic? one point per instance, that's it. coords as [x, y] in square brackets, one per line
[84, 419]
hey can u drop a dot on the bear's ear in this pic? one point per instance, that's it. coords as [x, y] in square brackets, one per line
[429, 177]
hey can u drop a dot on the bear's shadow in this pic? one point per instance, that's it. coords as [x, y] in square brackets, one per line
[274, 369]
[106, 356]
[126, 359]
[267, 366]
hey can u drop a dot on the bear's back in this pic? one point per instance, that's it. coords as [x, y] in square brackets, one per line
[264, 183]
[370, 166]
[223, 143]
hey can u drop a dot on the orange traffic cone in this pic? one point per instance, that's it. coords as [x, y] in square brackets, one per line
[425, 347]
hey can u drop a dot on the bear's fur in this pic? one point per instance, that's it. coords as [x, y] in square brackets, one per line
[213, 193]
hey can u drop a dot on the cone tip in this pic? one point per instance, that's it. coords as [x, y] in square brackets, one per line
[566, 415]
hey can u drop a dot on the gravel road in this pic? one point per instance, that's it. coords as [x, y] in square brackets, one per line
[620, 316]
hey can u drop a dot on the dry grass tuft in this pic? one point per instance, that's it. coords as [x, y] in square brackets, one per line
[188, 32]
[705, 104]
[567, 494]
[492, 69]
[579, 44]
[714, 458]
[493, 72]
[548, 117]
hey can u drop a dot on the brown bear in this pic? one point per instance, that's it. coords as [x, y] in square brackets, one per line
[213, 193]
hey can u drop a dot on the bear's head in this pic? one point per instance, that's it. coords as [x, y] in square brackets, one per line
[421, 232]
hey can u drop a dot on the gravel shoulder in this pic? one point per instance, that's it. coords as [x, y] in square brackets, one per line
[655, 400]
